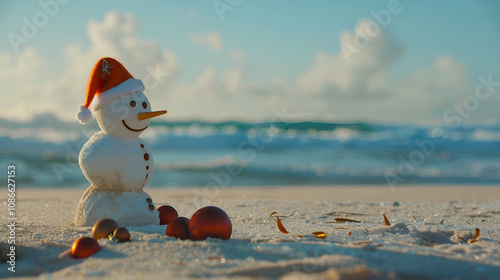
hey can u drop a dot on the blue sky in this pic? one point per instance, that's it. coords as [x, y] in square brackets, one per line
[278, 42]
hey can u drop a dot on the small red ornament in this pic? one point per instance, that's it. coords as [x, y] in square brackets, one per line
[84, 247]
[210, 221]
[167, 213]
[178, 228]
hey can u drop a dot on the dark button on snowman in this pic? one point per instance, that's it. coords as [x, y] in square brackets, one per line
[115, 161]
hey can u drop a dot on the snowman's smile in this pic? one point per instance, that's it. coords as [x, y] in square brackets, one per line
[131, 129]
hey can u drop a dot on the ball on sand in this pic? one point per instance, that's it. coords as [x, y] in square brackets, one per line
[121, 234]
[210, 221]
[178, 228]
[84, 247]
[103, 228]
[167, 213]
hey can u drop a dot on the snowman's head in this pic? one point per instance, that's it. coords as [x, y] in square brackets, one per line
[127, 116]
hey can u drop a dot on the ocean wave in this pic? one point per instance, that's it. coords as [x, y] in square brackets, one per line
[186, 153]
[47, 128]
[197, 166]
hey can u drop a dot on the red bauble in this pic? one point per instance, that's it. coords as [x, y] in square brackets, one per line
[84, 247]
[167, 213]
[210, 221]
[178, 228]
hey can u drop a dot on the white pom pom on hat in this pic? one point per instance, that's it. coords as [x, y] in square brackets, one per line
[84, 116]
[109, 80]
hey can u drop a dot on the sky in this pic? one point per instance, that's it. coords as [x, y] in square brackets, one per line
[340, 61]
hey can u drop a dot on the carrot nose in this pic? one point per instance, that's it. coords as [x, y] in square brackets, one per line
[148, 115]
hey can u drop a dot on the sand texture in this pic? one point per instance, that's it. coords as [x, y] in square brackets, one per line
[427, 239]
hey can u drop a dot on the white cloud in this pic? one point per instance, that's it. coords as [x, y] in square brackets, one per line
[25, 65]
[212, 86]
[233, 80]
[26, 78]
[20, 77]
[359, 87]
[211, 39]
[219, 95]
[361, 75]
[331, 88]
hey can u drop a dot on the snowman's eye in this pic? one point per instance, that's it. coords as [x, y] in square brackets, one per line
[132, 104]
[144, 105]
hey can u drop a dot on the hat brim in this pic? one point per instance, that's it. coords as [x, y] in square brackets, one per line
[130, 86]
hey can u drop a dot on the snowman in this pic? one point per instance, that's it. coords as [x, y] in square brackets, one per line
[117, 163]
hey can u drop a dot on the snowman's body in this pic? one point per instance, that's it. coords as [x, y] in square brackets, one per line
[118, 164]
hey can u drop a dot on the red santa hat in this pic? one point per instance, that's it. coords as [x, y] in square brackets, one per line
[108, 81]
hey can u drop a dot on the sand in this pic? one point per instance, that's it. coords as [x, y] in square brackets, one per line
[445, 216]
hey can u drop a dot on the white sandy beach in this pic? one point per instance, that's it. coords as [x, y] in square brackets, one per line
[444, 216]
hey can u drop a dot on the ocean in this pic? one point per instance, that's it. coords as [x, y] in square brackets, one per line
[197, 153]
